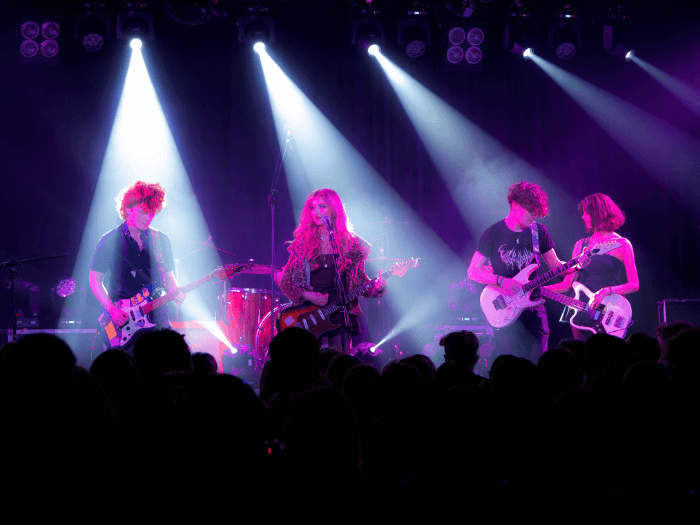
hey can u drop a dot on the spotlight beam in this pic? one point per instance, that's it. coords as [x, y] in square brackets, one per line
[686, 94]
[470, 161]
[662, 150]
[322, 157]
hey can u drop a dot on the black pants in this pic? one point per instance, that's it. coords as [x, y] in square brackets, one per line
[527, 337]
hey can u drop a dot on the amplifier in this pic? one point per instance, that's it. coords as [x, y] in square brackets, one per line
[679, 310]
[80, 340]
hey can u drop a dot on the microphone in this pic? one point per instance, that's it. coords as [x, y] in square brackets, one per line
[327, 222]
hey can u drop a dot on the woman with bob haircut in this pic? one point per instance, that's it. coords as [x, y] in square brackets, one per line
[309, 272]
[602, 274]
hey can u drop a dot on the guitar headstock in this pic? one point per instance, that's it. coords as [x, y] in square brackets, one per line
[400, 268]
[601, 248]
[224, 272]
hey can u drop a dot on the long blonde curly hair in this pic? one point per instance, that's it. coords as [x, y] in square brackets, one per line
[308, 233]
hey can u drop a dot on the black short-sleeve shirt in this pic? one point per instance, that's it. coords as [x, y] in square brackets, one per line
[129, 268]
[509, 251]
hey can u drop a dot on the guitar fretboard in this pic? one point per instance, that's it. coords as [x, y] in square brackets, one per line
[351, 296]
[157, 303]
[569, 301]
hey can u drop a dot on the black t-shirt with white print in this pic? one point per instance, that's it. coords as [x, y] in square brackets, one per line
[510, 252]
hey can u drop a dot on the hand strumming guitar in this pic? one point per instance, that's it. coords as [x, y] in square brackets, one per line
[317, 298]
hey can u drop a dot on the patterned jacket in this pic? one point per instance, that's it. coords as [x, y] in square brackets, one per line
[297, 273]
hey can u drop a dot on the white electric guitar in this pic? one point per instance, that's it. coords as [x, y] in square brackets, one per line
[501, 308]
[612, 316]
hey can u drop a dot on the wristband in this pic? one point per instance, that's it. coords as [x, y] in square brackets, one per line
[499, 280]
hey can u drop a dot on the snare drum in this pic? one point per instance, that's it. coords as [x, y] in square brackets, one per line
[262, 334]
[245, 307]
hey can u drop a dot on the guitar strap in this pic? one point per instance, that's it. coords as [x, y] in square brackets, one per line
[158, 255]
[535, 241]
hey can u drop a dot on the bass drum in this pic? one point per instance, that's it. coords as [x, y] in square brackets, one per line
[262, 334]
[244, 309]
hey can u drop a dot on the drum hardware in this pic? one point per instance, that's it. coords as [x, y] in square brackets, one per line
[262, 334]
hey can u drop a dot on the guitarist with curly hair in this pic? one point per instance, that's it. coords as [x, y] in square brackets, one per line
[134, 255]
[511, 245]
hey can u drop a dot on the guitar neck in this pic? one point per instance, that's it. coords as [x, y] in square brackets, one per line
[539, 281]
[563, 299]
[157, 303]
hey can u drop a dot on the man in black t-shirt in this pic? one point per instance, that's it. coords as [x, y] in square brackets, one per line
[508, 244]
[133, 254]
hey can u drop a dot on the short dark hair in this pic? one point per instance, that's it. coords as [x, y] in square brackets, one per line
[460, 346]
[606, 216]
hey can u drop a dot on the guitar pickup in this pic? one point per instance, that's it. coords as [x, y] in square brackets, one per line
[620, 322]
[306, 325]
[313, 319]
[499, 303]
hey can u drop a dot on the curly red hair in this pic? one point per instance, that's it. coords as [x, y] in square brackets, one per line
[307, 233]
[606, 216]
[152, 196]
[530, 196]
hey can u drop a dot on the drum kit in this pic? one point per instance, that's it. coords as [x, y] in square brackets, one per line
[247, 315]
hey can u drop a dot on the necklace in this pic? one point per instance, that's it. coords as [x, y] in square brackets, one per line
[323, 237]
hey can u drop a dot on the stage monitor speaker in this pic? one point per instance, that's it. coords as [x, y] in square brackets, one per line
[679, 310]
[84, 342]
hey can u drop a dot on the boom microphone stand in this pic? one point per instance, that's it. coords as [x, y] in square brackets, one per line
[345, 324]
[271, 202]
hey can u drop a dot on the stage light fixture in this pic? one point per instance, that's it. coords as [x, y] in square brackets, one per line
[528, 53]
[92, 29]
[257, 25]
[373, 50]
[40, 33]
[136, 43]
[49, 48]
[368, 27]
[413, 30]
[259, 47]
[131, 24]
[30, 29]
[564, 33]
[613, 32]
[65, 287]
[50, 29]
[466, 45]
[28, 48]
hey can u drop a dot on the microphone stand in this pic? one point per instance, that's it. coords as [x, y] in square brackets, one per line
[345, 324]
[12, 265]
[271, 202]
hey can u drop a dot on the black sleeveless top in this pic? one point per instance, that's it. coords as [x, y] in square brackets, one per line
[603, 270]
